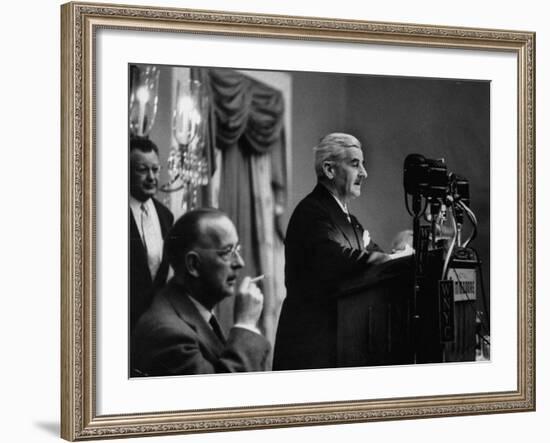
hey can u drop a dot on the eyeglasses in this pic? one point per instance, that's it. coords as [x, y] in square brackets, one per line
[227, 254]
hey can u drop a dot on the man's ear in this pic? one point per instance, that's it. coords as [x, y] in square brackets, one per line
[328, 169]
[192, 262]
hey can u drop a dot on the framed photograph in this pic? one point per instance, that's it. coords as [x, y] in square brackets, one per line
[277, 221]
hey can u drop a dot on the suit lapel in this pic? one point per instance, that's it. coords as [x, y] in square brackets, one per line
[187, 311]
[137, 249]
[163, 219]
[134, 233]
[338, 216]
[358, 231]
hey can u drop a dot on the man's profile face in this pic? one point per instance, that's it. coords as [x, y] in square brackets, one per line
[349, 173]
[144, 174]
[220, 263]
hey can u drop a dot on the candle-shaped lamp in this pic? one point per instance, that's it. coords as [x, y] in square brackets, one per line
[144, 81]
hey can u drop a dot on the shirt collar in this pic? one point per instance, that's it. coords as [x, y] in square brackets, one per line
[135, 204]
[204, 313]
[342, 206]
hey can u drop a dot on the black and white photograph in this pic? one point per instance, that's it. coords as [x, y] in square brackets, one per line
[275, 221]
[293, 220]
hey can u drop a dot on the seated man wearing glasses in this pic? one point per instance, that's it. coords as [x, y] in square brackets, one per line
[179, 334]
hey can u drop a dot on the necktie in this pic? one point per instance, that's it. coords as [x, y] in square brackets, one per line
[346, 212]
[143, 224]
[216, 327]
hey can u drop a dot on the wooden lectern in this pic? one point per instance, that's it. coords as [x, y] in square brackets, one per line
[374, 316]
[376, 322]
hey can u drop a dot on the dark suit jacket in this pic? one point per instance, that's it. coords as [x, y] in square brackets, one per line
[172, 338]
[142, 286]
[322, 248]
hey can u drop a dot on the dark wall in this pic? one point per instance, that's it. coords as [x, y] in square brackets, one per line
[317, 109]
[394, 117]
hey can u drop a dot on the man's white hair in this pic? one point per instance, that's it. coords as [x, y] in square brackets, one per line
[332, 148]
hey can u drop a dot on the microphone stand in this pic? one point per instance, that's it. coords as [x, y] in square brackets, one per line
[418, 271]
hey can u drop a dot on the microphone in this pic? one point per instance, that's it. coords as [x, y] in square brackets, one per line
[415, 173]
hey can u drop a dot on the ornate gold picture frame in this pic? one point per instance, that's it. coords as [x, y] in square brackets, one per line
[80, 394]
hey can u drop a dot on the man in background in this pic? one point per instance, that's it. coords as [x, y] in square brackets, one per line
[325, 245]
[149, 222]
[179, 333]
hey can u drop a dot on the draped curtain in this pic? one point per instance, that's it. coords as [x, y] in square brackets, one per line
[248, 130]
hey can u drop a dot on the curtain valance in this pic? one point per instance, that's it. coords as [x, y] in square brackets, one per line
[245, 108]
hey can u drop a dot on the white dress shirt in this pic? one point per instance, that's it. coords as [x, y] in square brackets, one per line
[148, 224]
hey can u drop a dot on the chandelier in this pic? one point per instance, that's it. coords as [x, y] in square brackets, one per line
[187, 161]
